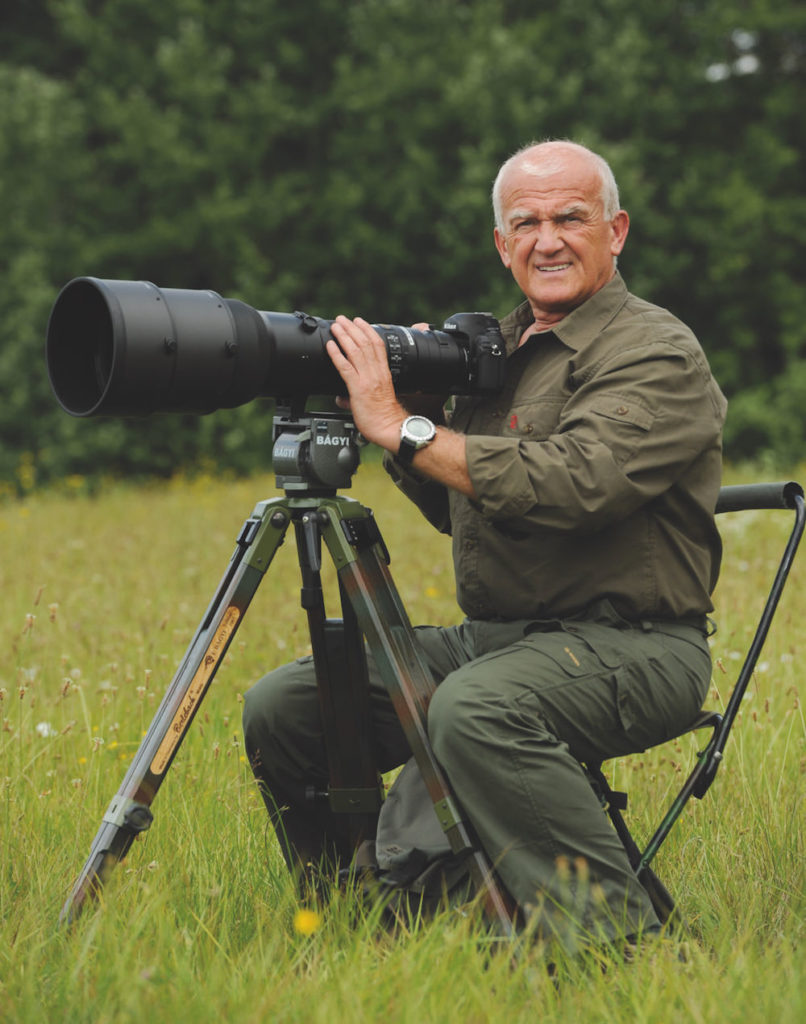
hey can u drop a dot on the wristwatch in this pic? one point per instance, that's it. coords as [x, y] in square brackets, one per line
[415, 433]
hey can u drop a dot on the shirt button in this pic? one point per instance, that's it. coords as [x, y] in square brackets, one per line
[622, 410]
[529, 428]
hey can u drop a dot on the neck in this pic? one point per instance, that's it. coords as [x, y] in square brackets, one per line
[542, 322]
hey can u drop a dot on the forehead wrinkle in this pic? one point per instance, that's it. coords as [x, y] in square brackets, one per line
[552, 178]
[525, 189]
[575, 206]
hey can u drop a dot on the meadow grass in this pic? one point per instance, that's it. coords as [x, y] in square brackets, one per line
[98, 599]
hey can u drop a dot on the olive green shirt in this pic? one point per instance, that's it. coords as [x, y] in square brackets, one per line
[596, 470]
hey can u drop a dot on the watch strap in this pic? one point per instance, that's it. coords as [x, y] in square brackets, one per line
[405, 452]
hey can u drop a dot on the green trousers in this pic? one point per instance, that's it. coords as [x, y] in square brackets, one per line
[518, 706]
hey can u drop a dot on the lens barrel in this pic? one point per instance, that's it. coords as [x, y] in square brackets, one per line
[131, 348]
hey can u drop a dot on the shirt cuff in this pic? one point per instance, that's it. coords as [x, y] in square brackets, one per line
[499, 477]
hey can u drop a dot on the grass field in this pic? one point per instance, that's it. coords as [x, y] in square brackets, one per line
[98, 599]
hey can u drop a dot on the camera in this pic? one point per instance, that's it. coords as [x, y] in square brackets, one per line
[132, 348]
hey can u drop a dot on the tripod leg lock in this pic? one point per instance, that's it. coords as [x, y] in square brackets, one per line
[355, 801]
[344, 800]
[129, 814]
[363, 533]
[248, 532]
[447, 814]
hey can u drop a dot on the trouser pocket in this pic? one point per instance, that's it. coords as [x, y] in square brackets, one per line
[662, 688]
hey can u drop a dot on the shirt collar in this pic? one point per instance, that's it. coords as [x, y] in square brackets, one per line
[581, 325]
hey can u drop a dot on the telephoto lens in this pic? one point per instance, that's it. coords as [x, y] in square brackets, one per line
[129, 348]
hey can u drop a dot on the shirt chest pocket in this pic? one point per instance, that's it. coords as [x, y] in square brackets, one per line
[533, 420]
[623, 411]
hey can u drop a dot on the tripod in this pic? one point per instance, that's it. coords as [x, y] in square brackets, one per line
[313, 456]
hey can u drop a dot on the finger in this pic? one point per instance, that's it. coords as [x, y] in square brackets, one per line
[338, 358]
[347, 334]
[359, 331]
[360, 343]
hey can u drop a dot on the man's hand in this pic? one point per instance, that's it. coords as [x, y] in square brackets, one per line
[359, 355]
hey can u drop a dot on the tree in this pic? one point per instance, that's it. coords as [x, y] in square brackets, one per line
[338, 158]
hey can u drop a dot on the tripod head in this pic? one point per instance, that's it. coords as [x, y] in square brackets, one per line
[314, 453]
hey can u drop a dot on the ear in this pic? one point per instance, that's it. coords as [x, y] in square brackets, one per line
[619, 227]
[501, 246]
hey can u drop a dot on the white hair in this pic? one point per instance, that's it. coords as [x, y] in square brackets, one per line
[550, 161]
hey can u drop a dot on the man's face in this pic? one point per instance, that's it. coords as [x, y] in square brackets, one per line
[555, 239]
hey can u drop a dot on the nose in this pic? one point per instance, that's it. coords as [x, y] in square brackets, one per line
[547, 238]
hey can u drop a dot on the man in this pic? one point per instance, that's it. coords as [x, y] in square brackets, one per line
[580, 501]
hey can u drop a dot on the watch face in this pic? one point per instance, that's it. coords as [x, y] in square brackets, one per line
[419, 427]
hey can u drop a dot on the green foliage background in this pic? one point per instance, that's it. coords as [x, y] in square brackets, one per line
[337, 158]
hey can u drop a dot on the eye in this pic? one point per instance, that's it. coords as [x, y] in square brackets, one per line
[523, 226]
[573, 218]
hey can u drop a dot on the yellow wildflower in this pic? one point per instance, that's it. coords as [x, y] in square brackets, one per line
[306, 921]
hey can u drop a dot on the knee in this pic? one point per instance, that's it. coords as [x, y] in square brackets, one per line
[458, 721]
[271, 706]
[260, 706]
[475, 714]
[282, 729]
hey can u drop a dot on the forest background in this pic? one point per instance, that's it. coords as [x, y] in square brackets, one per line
[337, 157]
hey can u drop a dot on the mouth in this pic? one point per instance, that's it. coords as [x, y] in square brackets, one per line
[554, 268]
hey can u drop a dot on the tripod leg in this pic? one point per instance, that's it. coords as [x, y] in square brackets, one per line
[129, 812]
[355, 544]
[342, 680]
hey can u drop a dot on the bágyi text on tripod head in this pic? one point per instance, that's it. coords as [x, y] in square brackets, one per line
[131, 348]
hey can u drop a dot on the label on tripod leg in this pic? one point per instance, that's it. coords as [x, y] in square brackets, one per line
[195, 691]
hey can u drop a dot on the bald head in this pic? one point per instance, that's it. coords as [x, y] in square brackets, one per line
[548, 158]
